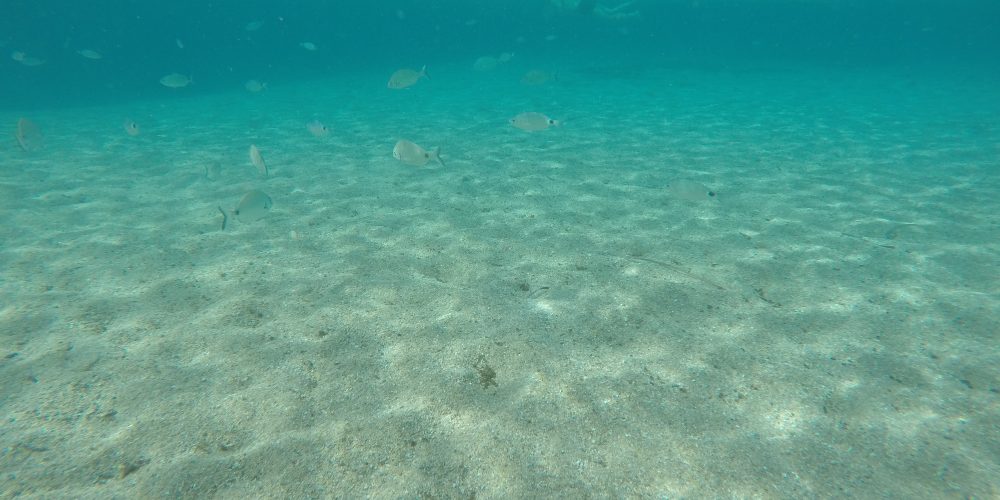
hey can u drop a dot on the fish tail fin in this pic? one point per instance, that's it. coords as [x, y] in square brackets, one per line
[225, 218]
[437, 156]
[423, 72]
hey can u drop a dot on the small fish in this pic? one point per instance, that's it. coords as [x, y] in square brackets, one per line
[25, 59]
[506, 57]
[176, 81]
[317, 129]
[255, 86]
[131, 127]
[254, 25]
[32, 61]
[258, 160]
[486, 63]
[412, 154]
[28, 135]
[537, 77]
[180, 44]
[533, 122]
[89, 54]
[308, 46]
[403, 78]
[252, 207]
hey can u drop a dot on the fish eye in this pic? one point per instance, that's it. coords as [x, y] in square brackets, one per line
[711, 193]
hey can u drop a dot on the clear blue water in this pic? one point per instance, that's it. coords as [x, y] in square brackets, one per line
[545, 316]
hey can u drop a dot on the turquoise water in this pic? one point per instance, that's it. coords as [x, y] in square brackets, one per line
[751, 252]
[140, 40]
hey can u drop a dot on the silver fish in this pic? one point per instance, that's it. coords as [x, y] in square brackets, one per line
[412, 154]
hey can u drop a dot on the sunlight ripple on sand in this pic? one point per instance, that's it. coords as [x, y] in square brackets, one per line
[689, 190]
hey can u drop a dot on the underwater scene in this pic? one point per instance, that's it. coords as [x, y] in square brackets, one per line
[500, 249]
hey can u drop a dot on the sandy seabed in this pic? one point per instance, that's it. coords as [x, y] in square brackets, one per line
[541, 317]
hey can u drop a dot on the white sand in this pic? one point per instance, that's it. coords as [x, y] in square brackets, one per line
[826, 326]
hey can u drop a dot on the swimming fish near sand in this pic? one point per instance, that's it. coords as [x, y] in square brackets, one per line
[131, 127]
[403, 78]
[253, 206]
[533, 122]
[317, 129]
[486, 63]
[258, 161]
[255, 86]
[176, 81]
[412, 154]
[538, 77]
[28, 135]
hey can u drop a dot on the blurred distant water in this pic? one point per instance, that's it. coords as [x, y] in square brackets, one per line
[219, 43]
